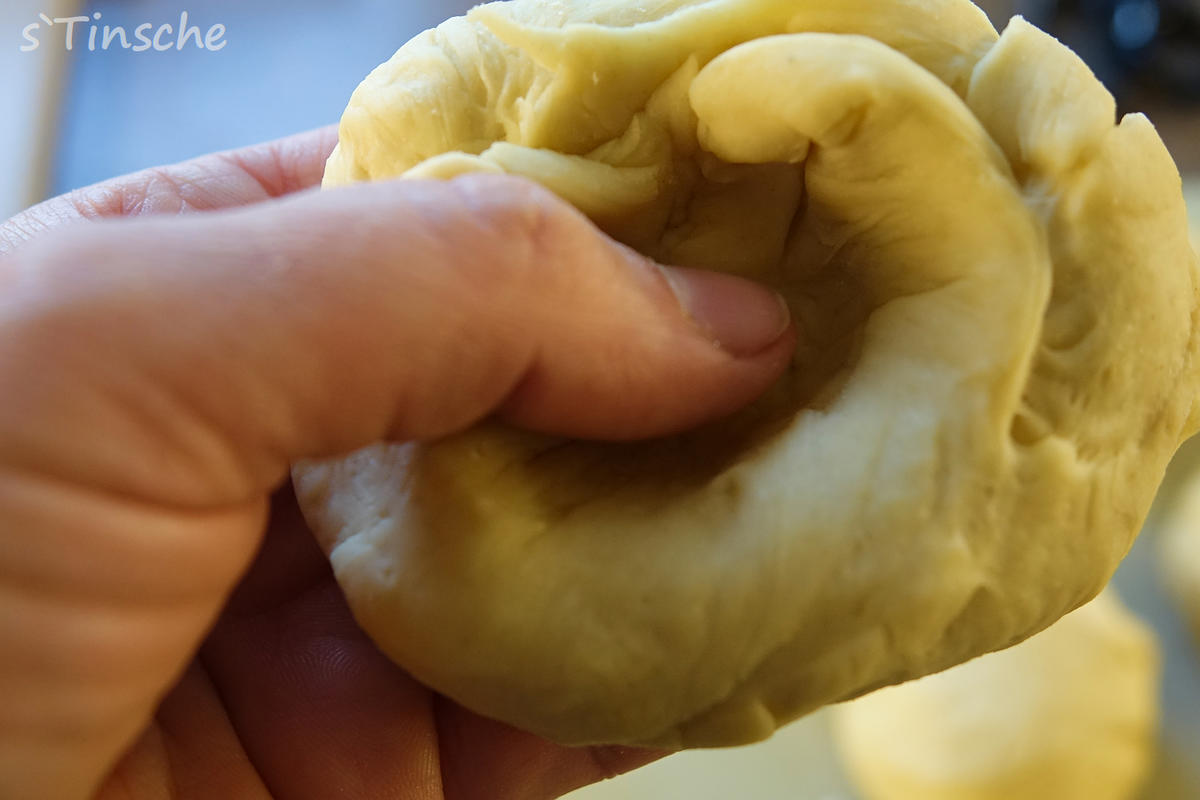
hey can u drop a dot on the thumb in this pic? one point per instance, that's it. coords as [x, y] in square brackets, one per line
[231, 344]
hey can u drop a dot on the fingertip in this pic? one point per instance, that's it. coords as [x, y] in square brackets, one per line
[743, 318]
[657, 350]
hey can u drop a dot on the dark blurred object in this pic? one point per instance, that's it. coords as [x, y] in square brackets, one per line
[1134, 46]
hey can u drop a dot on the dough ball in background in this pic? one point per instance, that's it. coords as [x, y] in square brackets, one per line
[1070, 714]
[1179, 529]
[1179, 549]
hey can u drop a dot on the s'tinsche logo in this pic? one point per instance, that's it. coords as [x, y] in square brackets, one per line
[84, 31]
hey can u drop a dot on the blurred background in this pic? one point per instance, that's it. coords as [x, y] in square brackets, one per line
[80, 116]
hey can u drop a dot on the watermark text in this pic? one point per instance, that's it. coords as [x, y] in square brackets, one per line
[83, 31]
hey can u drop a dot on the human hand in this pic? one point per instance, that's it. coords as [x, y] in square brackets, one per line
[160, 373]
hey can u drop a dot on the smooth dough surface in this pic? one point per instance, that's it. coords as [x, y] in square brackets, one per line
[1070, 714]
[997, 304]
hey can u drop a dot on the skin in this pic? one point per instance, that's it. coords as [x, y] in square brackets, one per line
[171, 341]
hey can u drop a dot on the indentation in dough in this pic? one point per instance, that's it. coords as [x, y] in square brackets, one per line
[997, 310]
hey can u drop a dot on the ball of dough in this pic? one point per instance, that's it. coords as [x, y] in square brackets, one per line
[1069, 714]
[997, 303]
[1180, 552]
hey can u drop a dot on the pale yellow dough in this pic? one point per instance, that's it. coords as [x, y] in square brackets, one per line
[1070, 714]
[997, 303]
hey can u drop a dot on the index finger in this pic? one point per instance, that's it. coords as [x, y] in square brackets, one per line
[219, 180]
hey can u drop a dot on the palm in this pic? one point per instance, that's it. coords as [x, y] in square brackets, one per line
[288, 699]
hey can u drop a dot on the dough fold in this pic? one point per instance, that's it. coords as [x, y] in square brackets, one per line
[998, 312]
